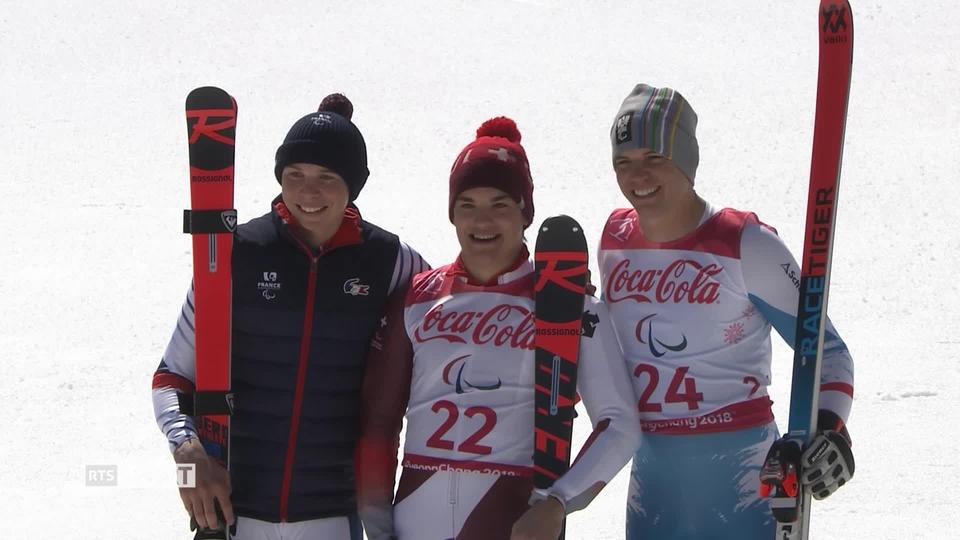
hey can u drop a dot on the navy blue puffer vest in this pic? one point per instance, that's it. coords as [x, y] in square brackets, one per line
[302, 326]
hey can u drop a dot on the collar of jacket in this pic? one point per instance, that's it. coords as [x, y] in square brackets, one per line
[348, 234]
[520, 268]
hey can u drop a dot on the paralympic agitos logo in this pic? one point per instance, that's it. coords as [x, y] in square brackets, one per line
[644, 333]
[461, 384]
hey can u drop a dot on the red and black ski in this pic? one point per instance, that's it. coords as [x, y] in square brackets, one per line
[790, 502]
[211, 128]
[561, 276]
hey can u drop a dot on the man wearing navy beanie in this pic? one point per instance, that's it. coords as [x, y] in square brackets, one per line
[312, 281]
[328, 138]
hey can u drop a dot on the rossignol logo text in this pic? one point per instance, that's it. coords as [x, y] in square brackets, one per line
[682, 281]
[211, 178]
[560, 331]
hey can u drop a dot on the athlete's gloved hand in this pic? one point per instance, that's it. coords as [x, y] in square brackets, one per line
[827, 462]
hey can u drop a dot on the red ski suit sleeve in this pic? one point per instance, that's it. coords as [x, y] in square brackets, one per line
[385, 392]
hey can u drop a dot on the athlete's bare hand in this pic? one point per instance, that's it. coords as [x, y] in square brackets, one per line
[543, 521]
[213, 486]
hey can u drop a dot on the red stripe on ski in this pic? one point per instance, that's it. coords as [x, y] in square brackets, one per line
[562, 401]
[561, 446]
[545, 472]
[563, 376]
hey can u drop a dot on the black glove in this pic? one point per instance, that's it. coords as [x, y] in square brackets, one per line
[827, 462]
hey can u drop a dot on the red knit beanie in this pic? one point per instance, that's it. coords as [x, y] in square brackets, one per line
[495, 159]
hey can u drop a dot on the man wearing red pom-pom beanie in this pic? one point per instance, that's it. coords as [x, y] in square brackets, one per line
[311, 281]
[457, 356]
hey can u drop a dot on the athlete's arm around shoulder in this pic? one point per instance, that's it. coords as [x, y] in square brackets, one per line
[772, 279]
[408, 264]
[603, 380]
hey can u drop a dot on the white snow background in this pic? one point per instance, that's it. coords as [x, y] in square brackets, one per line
[93, 179]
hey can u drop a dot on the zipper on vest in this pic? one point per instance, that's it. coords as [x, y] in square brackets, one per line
[453, 488]
[453, 498]
[298, 391]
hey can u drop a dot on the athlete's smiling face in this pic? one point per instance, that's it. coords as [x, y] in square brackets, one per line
[650, 181]
[316, 197]
[490, 227]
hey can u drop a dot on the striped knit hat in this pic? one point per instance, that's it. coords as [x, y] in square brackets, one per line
[661, 120]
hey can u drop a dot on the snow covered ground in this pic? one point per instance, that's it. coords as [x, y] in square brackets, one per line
[94, 177]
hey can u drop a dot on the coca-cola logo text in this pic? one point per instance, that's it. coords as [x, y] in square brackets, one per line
[502, 325]
[682, 281]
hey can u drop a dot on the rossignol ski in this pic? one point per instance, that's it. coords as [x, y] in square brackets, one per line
[560, 257]
[211, 128]
[790, 502]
